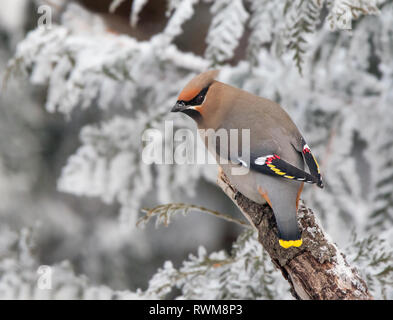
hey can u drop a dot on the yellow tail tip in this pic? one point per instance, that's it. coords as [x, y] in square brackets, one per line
[290, 243]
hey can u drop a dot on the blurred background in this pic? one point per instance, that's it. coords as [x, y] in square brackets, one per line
[79, 90]
[35, 146]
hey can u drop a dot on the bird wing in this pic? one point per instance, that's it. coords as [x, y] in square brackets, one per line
[268, 153]
[311, 161]
[273, 165]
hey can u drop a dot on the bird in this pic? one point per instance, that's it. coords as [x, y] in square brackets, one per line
[278, 152]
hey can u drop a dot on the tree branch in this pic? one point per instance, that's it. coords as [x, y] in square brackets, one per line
[317, 270]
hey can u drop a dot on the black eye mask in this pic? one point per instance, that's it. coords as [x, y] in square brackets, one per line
[198, 99]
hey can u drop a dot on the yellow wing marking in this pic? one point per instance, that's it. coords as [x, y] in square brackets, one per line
[315, 160]
[276, 170]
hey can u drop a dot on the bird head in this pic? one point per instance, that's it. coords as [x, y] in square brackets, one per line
[194, 99]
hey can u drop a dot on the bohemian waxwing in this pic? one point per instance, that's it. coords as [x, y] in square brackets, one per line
[277, 149]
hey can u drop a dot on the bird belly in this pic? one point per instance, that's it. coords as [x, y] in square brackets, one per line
[245, 183]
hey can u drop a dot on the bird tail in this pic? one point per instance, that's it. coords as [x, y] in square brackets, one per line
[290, 243]
[285, 214]
[289, 234]
[282, 196]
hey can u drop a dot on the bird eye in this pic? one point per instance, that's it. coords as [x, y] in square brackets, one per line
[200, 98]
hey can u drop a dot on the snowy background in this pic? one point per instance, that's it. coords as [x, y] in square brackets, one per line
[79, 89]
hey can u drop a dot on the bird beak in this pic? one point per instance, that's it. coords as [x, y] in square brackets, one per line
[179, 106]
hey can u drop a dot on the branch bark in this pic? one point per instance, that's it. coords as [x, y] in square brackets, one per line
[317, 270]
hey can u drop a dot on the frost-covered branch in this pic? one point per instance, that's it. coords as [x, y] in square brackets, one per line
[317, 270]
[164, 213]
